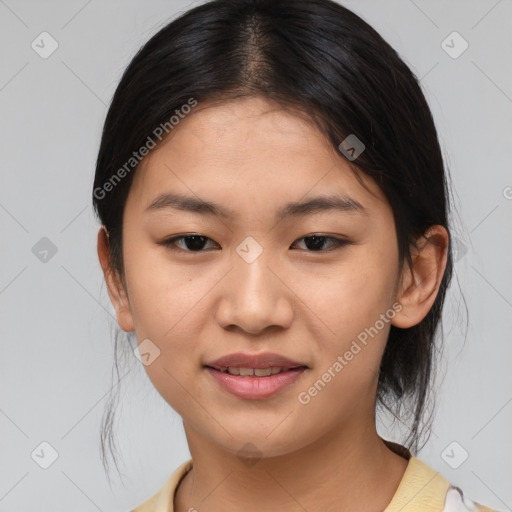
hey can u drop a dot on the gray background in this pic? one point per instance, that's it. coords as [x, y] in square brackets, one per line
[56, 319]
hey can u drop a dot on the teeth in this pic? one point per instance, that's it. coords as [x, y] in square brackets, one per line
[258, 372]
[262, 372]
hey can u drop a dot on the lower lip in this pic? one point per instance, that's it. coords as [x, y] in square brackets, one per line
[253, 388]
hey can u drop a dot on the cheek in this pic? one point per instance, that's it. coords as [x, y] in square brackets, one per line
[348, 297]
[355, 311]
[170, 306]
[354, 305]
[159, 294]
[167, 309]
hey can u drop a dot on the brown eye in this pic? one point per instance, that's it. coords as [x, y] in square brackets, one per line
[316, 243]
[188, 243]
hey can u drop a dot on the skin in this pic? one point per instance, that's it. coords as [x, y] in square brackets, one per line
[253, 156]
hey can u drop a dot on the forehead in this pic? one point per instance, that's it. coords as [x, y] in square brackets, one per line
[247, 153]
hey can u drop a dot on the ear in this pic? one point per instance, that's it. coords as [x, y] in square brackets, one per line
[420, 282]
[115, 287]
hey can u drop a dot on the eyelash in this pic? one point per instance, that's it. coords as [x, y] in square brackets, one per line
[336, 243]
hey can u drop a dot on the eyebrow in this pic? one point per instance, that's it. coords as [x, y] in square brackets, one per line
[342, 203]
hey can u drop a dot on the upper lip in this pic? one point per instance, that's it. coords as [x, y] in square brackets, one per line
[263, 360]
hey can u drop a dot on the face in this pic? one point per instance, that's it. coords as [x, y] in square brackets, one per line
[260, 275]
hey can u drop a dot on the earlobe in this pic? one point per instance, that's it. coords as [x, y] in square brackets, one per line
[420, 281]
[115, 287]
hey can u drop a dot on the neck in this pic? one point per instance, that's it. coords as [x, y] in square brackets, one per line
[353, 469]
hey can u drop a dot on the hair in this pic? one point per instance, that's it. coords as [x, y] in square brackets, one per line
[321, 60]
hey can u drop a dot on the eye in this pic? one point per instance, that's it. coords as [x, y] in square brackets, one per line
[197, 243]
[314, 243]
[188, 243]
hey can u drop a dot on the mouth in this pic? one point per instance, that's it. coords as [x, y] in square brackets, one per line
[255, 383]
[250, 363]
[254, 375]
[255, 372]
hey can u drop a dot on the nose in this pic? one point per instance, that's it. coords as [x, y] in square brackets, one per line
[255, 297]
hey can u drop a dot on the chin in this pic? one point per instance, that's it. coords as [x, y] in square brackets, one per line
[261, 445]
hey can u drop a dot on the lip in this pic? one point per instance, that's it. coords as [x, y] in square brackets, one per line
[262, 360]
[254, 388]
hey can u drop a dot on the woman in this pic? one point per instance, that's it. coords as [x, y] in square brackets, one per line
[274, 211]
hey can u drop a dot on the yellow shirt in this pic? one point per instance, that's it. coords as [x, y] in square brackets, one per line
[421, 490]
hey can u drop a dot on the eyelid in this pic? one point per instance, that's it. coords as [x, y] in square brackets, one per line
[169, 243]
[337, 242]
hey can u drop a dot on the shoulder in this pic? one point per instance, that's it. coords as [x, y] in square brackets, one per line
[422, 489]
[456, 501]
[163, 500]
